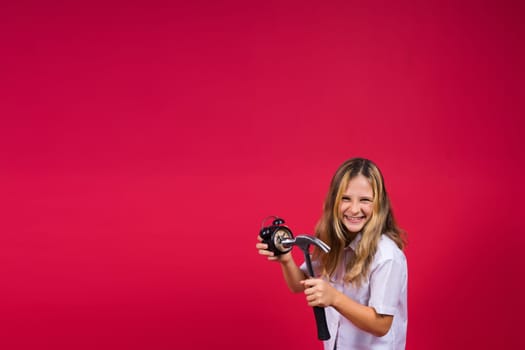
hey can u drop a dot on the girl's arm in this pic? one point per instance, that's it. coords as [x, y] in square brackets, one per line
[291, 272]
[321, 293]
[363, 317]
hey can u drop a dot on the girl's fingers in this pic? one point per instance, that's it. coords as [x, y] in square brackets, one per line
[261, 246]
[265, 252]
[310, 282]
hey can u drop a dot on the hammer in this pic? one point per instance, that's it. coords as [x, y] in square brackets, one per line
[303, 242]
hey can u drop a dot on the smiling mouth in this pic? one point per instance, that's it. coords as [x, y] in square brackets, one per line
[354, 219]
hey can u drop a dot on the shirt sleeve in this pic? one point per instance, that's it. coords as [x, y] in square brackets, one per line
[316, 266]
[387, 282]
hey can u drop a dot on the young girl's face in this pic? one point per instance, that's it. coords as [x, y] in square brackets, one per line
[357, 204]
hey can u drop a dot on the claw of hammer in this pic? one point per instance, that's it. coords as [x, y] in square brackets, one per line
[304, 241]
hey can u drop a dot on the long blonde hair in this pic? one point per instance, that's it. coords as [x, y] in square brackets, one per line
[331, 230]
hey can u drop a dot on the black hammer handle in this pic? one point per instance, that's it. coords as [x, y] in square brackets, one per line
[320, 316]
[320, 319]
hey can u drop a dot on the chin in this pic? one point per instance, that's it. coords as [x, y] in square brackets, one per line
[354, 229]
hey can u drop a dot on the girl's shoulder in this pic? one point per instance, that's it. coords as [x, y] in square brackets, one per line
[387, 249]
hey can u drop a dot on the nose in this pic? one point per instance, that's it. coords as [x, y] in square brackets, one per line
[354, 207]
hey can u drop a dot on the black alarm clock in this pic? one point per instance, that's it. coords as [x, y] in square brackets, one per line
[275, 234]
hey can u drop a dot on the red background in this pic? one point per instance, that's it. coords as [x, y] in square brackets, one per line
[142, 143]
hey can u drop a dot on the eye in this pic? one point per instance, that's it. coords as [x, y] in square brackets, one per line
[366, 200]
[345, 199]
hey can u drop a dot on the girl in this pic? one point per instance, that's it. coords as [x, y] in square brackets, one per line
[363, 283]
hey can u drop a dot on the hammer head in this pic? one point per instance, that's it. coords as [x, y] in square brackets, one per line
[304, 242]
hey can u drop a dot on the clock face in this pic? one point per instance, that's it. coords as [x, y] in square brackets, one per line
[280, 235]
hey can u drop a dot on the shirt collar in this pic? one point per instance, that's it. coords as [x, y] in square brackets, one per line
[355, 242]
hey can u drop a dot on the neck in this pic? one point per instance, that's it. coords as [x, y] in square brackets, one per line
[349, 237]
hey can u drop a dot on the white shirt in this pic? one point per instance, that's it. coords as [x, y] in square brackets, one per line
[384, 289]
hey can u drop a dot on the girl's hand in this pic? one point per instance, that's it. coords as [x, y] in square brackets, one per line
[319, 292]
[262, 248]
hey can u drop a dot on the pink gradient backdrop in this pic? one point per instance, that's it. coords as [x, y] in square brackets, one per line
[142, 143]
